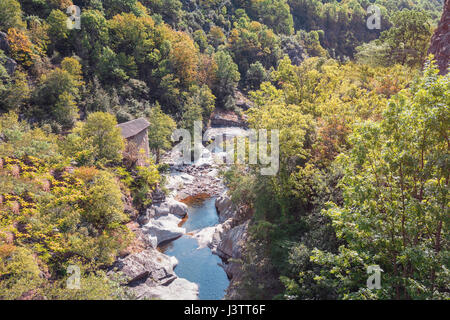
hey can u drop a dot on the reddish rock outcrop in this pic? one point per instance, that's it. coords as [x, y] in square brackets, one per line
[440, 42]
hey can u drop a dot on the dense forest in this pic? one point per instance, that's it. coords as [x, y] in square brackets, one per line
[363, 119]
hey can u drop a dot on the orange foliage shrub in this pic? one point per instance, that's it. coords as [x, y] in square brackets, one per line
[86, 173]
[21, 47]
[184, 57]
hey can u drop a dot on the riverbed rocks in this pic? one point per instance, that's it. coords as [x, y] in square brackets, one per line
[188, 181]
[212, 236]
[179, 289]
[147, 263]
[150, 275]
[177, 208]
[164, 229]
[171, 206]
[161, 221]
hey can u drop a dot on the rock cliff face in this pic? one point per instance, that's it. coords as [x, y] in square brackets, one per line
[231, 245]
[229, 118]
[9, 64]
[440, 42]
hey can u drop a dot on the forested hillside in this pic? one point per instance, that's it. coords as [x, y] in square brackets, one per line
[363, 119]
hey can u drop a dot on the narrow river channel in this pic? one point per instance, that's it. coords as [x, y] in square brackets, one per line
[199, 265]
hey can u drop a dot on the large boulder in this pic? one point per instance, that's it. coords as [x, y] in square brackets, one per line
[231, 249]
[177, 208]
[178, 289]
[4, 45]
[233, 242]
[225, 207]
[212, 236]
[171, 206]
[159, 210]
[10, 66]
[149, 263]
[150, 275]
[164, 229]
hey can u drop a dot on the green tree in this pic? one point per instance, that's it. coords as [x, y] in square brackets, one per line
[406, 42]
[56, 94]
[160, 131]
[101, 131]
[19, 271]
[276, 14]
[10, 15]
[103, 203]
[227, 77]
[395, 209]
[113, 7]
[14, 91]
[57, 21]
[256, 75]
[93, 36]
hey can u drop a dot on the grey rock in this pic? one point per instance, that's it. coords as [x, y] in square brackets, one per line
[153, 241]
[10, 66]
[4, 45]
[160, 210]
[233, 242]
[158, 196]
[225, 207]
[147, 264]
[164, 229]
[178, 289]
[177, 208]
[143, 219]
[150, 275]
[440, 46]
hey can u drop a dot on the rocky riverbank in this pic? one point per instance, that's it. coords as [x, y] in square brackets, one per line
[150, 274]
[227, 239]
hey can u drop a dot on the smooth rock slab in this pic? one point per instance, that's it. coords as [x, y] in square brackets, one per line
[233, 242]
[149, 263]
[177, 208]
[164, 228]
[212, 236]
[225, 207]
[179, 289]
[171, 206]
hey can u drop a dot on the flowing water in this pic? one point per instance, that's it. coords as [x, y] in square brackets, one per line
[199, 265]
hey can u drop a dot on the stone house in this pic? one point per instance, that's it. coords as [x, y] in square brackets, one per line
[136, 134]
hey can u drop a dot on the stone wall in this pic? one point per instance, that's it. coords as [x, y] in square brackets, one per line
[141, 142]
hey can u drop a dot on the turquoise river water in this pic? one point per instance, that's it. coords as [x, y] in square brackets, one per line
[199, 265]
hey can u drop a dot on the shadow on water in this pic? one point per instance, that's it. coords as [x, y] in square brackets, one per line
[194, 264]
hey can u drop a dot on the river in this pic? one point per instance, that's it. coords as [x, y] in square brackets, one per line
[199, 265]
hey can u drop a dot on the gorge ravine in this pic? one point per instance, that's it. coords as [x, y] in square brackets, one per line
[151, 274]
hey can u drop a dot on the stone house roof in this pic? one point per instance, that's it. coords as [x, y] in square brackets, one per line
[132, 128]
